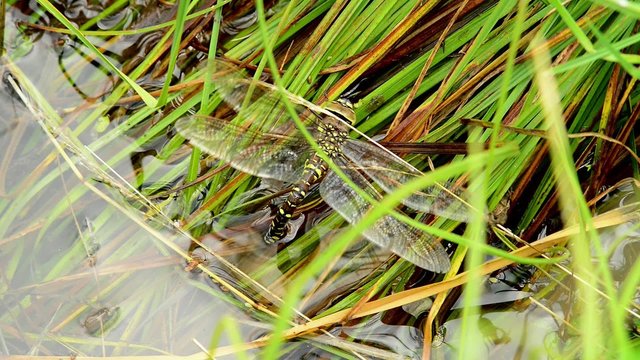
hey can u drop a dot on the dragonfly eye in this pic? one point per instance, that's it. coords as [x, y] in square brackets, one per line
[343, 108]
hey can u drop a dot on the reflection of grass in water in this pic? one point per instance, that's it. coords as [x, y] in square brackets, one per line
[482, 69]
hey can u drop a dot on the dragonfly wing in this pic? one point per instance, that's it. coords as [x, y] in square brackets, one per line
[390, 173]
[245, 95]
[411, 244]
[269, 155]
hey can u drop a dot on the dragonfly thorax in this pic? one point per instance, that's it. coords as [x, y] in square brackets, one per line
[331, 138]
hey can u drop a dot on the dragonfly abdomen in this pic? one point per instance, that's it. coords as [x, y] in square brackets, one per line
[314, 170]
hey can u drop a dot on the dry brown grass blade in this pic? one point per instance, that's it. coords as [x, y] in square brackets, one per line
[607, 128]
[381, 48]
[543, 134]
[425, 33]
[425, 68]
[412, 122]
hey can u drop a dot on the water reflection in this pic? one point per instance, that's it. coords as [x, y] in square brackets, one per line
[85, 267]
[135, 291]
[405, 341]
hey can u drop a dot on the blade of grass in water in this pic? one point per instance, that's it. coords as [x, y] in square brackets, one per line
[148, 99]
[175, 48]
[574, 209]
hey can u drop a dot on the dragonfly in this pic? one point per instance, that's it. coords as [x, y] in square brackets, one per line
[263, 140]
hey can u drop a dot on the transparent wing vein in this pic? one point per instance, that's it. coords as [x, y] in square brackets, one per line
[411, 244]
[270, 155]
[390, 173]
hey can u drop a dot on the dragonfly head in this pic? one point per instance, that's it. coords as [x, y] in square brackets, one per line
[343, 108]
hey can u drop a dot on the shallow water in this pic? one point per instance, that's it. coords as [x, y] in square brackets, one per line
[520, 318]
[84, 270]
[68, 253]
